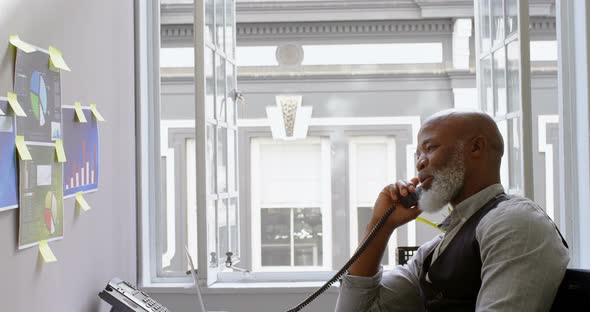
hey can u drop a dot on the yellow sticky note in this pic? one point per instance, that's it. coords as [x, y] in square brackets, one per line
[13, 101]
[57, 60]
[46, 252]
[22, 149]
[59, 149]
[15, 40]
[79, 112]
[96, 113]
[81, 202]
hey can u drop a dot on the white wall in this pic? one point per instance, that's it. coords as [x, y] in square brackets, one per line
[96, 38]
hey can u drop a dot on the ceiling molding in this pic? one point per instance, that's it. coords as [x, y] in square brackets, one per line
[182, 34]
[367, 30]
[543, 28]
[178, 35]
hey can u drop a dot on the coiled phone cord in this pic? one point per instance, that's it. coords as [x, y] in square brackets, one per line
[349, 263]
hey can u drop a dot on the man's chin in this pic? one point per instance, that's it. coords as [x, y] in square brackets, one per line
[430, 209]
[428, 203]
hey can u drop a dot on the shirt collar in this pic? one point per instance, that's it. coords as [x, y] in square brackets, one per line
[465, 209]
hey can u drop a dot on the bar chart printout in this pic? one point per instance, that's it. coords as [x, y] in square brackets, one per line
[81, 148]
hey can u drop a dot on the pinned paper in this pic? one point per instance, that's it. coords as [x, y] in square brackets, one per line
[96, 113]
[13, 101]
[56, 59]
[46, 252]
[81, 202]
[59, 149]
[79, 112]
[22, 149]
[15, 40]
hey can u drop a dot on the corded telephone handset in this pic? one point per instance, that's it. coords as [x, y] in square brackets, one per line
[408, 201]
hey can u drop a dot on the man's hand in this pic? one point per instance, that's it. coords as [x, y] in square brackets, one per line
[390, 195]
[368, 263]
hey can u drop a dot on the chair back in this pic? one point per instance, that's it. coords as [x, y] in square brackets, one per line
[574, 291]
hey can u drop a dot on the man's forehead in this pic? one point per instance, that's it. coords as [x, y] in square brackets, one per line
[433, 128]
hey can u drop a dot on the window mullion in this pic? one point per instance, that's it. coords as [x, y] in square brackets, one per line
[292, 236]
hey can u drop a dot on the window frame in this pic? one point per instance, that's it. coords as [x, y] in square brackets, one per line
[326, 127]
[354, 204]
[325, 206]
[174, 134]
[207, 193]
[523, 113]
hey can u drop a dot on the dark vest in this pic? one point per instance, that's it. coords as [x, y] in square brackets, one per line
[456, 272]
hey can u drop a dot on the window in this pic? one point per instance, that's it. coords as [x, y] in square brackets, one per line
[543, 50]
[306, 189]
[188, 176]
[177, 57]
[291, 211]
[504, 85]
[256, 56]
[344, 54]
[216, 133]
[292, 234]
[371, 166]
[388, 53]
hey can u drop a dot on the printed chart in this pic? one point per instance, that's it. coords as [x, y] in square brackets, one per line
[8, 172]
[39, 92]
[41, 197]
[81, 148]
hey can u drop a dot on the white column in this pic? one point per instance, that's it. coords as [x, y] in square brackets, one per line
[464, 93]
[462, 30]
[574, 152]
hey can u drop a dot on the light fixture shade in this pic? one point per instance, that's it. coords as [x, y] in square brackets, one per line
[288, 120]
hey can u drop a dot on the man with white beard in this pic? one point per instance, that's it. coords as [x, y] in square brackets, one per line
[498, 253]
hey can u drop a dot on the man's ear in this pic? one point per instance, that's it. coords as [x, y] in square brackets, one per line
[477, 146]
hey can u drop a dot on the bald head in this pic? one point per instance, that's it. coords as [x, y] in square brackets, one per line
[464, 145]
[468, 125]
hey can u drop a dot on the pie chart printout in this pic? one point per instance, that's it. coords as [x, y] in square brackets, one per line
[38, 89]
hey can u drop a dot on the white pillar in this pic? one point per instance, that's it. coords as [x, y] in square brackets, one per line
[462, 30]
[574, 151]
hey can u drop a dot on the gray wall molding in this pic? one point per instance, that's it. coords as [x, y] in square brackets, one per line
[364, 30]
[544, 79]
[326, 83]
[345, 10]
[181, 34]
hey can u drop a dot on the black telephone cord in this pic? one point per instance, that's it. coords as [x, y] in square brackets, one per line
[349, 263]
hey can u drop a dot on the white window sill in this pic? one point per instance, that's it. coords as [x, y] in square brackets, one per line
[241, 288]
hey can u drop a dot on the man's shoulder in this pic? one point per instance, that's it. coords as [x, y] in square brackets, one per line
[516, 212]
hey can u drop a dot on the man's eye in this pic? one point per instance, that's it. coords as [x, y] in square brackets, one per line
[430, 148]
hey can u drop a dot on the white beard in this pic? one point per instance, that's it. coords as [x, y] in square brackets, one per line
[446, 183]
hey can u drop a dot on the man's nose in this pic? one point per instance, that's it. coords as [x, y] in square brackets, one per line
[421, 164]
